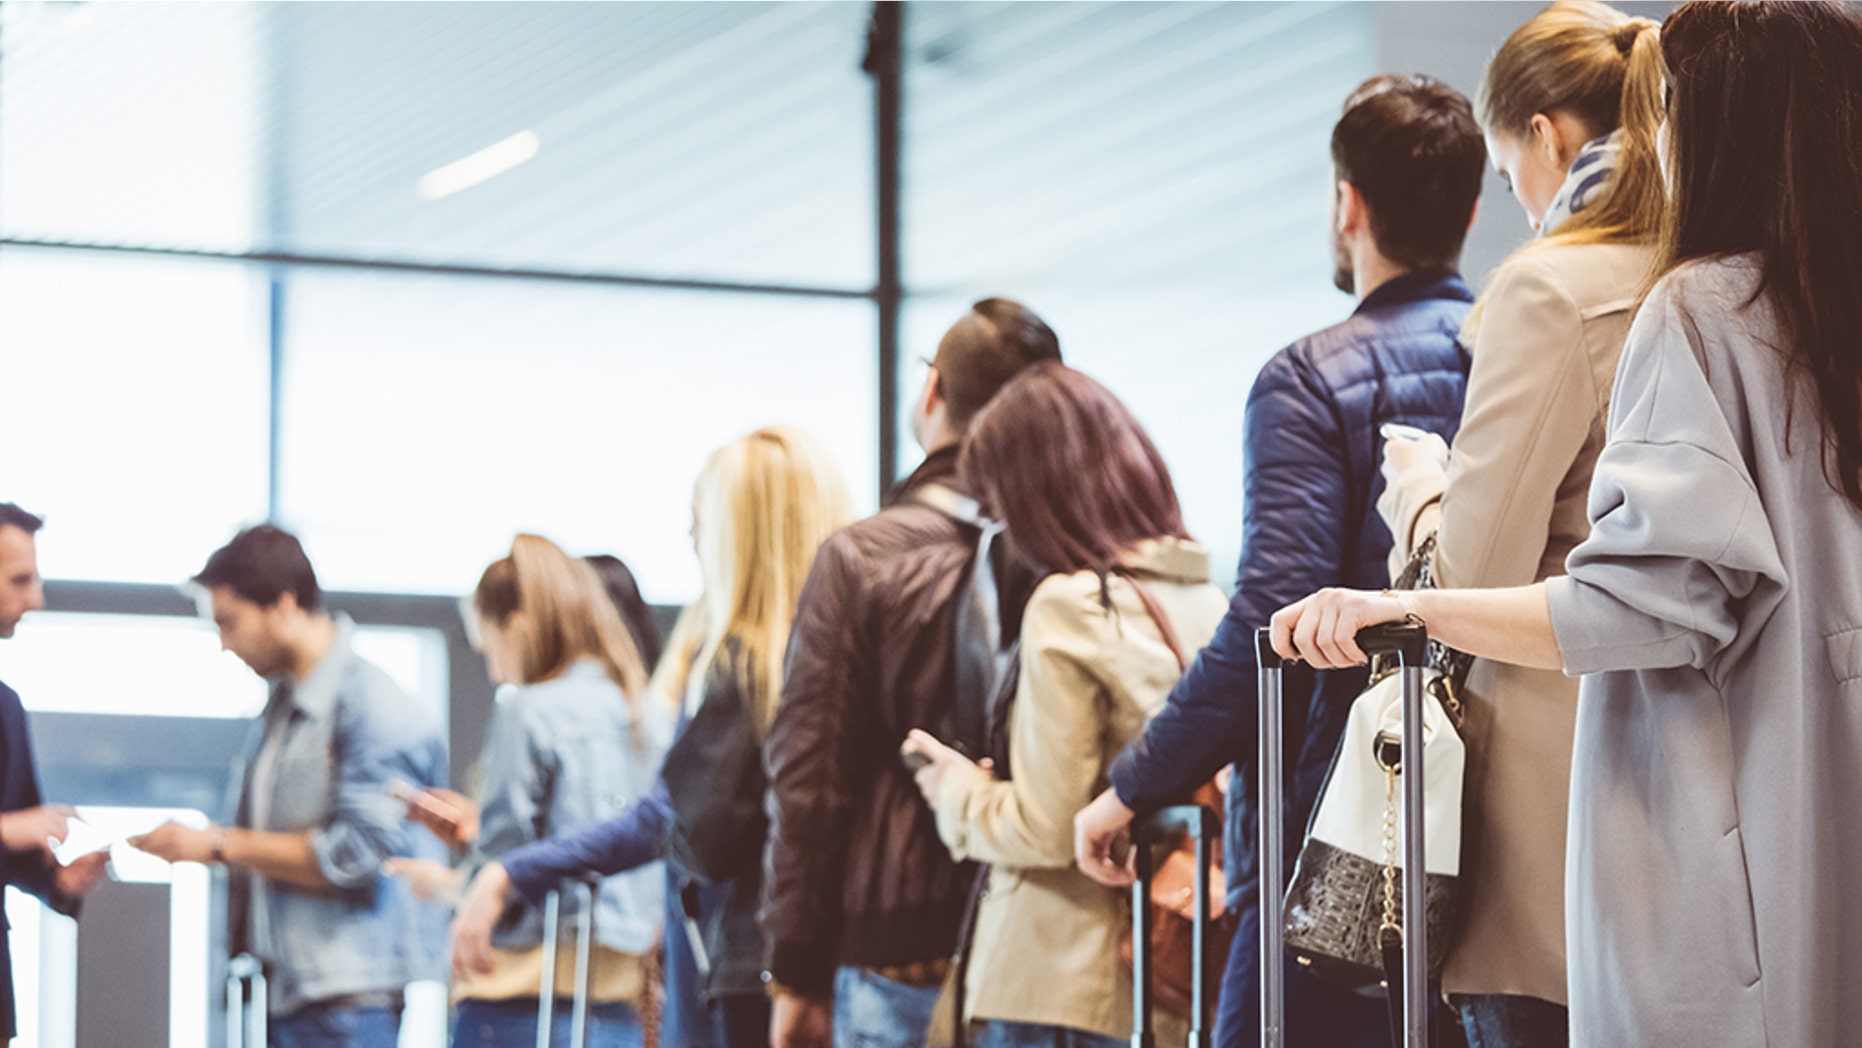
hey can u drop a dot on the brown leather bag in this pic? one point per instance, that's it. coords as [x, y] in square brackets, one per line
[1173, 885]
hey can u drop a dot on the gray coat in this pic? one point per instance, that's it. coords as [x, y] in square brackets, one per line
[1714, 871]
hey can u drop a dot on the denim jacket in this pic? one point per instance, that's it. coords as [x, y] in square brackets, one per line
[319, 763]
[564, 755]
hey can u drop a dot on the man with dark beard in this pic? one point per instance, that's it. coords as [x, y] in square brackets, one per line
[1408, 158]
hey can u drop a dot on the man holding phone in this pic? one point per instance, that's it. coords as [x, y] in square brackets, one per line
[27, 826]
[1408, 160]
[316, 820]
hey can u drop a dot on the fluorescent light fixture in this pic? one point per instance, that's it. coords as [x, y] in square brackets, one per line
[486, 164]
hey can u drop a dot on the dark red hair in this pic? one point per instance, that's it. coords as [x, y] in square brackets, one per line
[1070, 473]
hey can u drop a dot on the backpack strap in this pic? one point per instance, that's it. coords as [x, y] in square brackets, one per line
[982, 657]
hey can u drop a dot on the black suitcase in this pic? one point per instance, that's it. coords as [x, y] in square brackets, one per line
[1158, 829]
[1410, 644]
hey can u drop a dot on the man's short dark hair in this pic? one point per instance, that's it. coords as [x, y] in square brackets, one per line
[261, 565]
[1411, 146]
[11, 516]
[983, 351]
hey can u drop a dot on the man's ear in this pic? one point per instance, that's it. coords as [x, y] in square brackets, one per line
[1351, 214]
[283, 610]
[932, 396]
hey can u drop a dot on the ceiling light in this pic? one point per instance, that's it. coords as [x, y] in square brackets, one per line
[487, 163]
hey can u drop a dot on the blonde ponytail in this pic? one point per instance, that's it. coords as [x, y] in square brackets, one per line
[566, 616]
[1605, 68]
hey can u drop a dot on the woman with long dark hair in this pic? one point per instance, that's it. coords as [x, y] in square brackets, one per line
[1715, 610]
[1124, 599]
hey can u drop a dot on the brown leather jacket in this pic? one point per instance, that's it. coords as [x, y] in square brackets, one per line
[855, 873]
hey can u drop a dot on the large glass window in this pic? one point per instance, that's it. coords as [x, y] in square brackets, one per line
[428, 420]
[132, 124]
[1154, 179]
[135, 408]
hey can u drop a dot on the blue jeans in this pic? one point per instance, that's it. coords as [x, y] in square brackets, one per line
[1504, 1021]
[683, 1019]
[872, 1011]
[513, 1024]
[995, 1033]
[335, 1025]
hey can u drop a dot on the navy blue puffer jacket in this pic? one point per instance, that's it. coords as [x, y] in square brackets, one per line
[1309, 521]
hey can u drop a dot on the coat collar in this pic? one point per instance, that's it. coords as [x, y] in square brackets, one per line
[1416, 286]
[938, 467]
[1182, 561]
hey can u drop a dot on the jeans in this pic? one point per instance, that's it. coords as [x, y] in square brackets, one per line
[872, 1011]
[994, 1033]
[335, 1025]
[1504, 1021]
[683, 1021]
[513, 1024]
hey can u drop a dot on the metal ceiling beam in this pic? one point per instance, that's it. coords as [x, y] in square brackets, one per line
[442, 269]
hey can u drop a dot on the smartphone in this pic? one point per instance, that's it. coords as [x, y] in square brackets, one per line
[1398, 431]
[413, 796]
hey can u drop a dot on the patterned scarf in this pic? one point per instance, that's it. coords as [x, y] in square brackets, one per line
[1592, 173]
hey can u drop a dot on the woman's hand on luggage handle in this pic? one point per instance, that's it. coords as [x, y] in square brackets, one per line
[483, 905]
[1322, 630]
[1096, 829]
[939, 759]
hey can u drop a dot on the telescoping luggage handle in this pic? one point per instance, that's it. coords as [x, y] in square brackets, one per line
[546, 990]
[245, 1014]
[1162, 827]
[1410, 644]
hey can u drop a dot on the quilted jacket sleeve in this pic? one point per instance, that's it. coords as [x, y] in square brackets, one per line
[1296, 496]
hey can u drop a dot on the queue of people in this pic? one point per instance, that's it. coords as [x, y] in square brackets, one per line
[875, 789]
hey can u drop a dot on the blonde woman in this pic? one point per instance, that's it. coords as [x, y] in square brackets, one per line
[573, 742]
[1570, 108]
[763, 505]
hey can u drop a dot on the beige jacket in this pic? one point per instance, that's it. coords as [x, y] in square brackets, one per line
[1047, 938]
[1545, 339]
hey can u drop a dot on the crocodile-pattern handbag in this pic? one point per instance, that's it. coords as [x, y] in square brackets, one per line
[1347, 888]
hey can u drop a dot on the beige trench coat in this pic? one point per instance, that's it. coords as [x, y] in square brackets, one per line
[1545, 339]
[1047, 938]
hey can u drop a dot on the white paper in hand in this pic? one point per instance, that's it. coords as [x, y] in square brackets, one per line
[81, 839]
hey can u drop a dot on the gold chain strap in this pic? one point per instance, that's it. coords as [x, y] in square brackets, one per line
[1390, 845]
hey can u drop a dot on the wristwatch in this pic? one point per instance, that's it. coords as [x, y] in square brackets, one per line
[217, 836]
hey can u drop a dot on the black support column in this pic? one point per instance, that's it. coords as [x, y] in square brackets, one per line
[885, 63]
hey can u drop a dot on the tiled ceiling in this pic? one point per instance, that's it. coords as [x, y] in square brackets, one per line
[710, 140]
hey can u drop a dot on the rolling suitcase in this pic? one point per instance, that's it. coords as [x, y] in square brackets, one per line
[1149, 833]
[245, 1002]
[1410, 644]
[584, 940]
